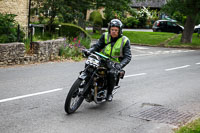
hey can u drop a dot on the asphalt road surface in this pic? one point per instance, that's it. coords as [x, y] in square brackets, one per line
[124, 29]
[159, 92]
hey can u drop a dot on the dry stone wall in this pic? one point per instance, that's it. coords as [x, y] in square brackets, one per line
[15, 53]
[47, 50]
[11, 53]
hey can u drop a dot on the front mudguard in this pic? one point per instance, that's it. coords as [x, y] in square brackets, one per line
[89, 81]
[82, 75]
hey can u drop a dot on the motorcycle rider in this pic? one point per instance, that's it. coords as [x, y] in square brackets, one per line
[115, 46]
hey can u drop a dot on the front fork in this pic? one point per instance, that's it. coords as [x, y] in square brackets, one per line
[88, 81]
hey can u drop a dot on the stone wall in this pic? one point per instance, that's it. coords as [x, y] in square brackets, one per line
[18, 7]
[12, 53]
[15, 53]
[47, 50]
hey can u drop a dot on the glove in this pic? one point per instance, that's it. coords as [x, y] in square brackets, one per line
[85, 52]
[118, 66]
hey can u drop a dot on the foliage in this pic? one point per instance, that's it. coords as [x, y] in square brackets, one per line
[27, 42]
[72, 50]
[50, 10]
[75, 11]
[8, 29]
[85, 42]
[193, 127]
[179, 17]
[97, 20]
[116, 9]
[44, 37]
[130, 22]
[155, 15]
[185, 7]
[143, 15]
[71, 31]
[188, 8]
[96, 35]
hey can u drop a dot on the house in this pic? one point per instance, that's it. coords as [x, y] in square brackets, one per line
[19, 8]
[152, 4]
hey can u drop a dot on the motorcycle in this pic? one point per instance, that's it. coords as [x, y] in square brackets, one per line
[91, 84]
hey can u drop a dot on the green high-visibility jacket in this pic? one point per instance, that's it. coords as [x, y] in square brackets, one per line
[115, 51]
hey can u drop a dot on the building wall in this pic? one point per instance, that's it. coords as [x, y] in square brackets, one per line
[17, 7]
[149, 3]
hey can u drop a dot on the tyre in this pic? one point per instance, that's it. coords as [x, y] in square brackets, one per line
[73, 100]
[159, 30]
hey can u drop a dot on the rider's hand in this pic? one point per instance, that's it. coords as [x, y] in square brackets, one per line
[86, 52]
[118, 66]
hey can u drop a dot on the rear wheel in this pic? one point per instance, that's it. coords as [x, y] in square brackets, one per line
[73, 100]
[159, 30]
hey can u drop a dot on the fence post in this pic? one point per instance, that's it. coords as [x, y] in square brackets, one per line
[31, 31]
[18, 33]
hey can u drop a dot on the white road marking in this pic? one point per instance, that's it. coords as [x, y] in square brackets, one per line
[198, 63]
[29, 95]
[141, 55]
[144, 53]
[140, 47]
[134, 75]
[175, 68]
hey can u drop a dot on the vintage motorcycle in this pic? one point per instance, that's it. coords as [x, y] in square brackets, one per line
[91, 84]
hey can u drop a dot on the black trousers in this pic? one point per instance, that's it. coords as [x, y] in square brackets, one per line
[112, 80]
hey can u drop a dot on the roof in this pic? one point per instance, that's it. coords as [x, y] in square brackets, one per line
[149, 3]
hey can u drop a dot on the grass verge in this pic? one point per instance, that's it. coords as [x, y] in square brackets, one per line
[156, 39]
[150, 38]
[176, 42]
[193, 127]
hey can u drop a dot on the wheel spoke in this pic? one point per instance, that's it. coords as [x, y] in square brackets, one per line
[74, 99]
[74, 102]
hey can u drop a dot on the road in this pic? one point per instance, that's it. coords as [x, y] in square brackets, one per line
[125, 29]
[159, 92]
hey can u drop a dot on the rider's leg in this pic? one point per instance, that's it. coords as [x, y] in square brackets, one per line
[112, 79]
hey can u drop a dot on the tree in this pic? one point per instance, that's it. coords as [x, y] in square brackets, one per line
[189, 8]
[52, 9]
[75, 11]
[112, 7]
[116, 9]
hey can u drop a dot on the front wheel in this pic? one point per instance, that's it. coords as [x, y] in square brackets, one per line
[73, 100]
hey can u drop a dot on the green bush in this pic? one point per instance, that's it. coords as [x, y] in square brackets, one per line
[179, 17]
[131, 22]
[142, 20]
[96, 18]
[71, 31]
[8, 29]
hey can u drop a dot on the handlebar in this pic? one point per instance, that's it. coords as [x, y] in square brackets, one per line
[110, 63]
